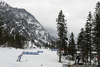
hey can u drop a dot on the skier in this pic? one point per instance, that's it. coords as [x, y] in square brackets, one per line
[19, 57]
[77, 60]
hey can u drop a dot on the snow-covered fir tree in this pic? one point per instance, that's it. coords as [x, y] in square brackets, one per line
[62, 33]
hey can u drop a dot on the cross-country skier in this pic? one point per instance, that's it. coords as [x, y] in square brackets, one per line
[19, 57]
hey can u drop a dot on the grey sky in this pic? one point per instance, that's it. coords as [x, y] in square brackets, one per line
[46, 11]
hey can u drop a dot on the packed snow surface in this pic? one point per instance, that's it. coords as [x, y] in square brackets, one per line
[48, 58]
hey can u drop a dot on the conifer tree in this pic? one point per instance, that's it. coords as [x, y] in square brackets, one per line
[1, 31]
[81, 43]
[62, 33]
[88, 38]
[72, 46]
[6, 35]
[23, 40]
[19, 40]
[96, 30]
[32, 42]
[11, 41]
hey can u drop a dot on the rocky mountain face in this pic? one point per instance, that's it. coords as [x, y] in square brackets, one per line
[19, 20]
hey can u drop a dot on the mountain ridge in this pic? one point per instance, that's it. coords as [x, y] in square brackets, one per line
[19, 20]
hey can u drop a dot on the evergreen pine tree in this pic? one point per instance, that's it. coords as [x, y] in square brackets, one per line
[32, 42]
[1, 31]
[19, 40]
[88, 38]
[23, 40]
[81, 43]
[96, 31]
[6, 35]
[62, 33]
[72, 46]
[11, 41]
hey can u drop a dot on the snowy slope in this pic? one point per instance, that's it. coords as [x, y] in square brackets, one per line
[46, 59]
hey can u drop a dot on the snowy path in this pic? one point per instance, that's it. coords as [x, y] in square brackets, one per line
[48, 58]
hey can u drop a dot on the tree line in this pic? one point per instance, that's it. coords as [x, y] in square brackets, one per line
[88, 39]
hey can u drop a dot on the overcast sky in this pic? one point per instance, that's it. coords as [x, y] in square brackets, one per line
[46, 11]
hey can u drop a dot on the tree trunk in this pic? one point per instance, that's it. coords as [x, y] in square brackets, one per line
[90, 57]
[60, 50]
[98, 55]
[87, 58]
[60, 56]
[99, 59]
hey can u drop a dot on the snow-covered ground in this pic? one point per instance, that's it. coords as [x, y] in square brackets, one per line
[48, 58]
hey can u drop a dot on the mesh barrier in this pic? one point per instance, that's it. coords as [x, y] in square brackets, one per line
[65, 65]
